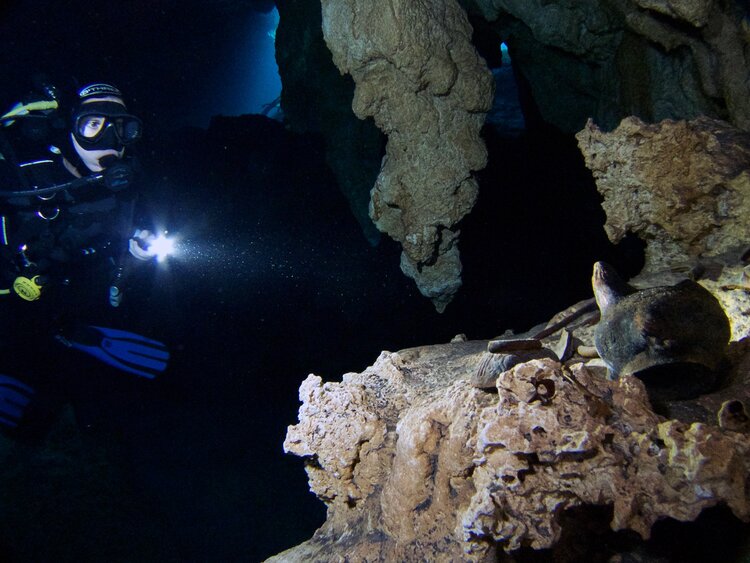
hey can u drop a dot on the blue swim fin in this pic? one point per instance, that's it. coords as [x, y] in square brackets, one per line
[124, 350]
[14, 396]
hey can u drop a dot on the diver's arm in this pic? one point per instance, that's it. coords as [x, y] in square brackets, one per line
[132, 247]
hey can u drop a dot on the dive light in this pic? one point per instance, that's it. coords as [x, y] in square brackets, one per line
[161, 247]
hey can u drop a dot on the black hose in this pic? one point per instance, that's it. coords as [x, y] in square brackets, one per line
[72, 185]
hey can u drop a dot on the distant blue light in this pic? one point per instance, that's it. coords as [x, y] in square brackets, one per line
[263, 81]
[504, 53]
[273, 19]
[248, 77]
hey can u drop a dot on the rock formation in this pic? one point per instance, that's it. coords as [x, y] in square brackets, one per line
[418, 76]
[416, 460]
[415, 463]
[413, 458]
[656, 59]
[681, 186]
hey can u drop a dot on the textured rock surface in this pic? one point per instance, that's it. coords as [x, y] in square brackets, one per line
[418, 76]
[415, 463]
[681, 186]
[732, 289]
[593, 442]
[656, 59]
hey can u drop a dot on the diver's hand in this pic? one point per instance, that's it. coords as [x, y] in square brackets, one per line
[139, 243]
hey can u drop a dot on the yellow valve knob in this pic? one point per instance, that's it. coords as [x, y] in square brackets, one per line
[28, 289]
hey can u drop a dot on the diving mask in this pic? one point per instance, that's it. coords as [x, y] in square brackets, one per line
[105, 125]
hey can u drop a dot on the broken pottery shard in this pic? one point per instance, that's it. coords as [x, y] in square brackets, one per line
[673, 337]
[587, 352]
[492, 365]
[564, 347]
[733, 416]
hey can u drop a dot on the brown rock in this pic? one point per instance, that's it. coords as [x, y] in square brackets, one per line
[418, 76]
[681, 186]
[696, 12]
[416, 464]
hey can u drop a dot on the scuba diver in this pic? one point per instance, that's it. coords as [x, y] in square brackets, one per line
[67, 216]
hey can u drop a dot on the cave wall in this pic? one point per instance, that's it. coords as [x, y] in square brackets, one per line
[412, 460]
[416, 463]
[652, 59]
[412, 73]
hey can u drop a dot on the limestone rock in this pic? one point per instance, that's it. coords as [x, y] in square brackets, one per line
[540, 457]
[581, 28]
[658, 59]
[733, 292]
[681, 186]
[418, 76]
[389, 451]
[695, 12]
[718, 50]
[416, 464]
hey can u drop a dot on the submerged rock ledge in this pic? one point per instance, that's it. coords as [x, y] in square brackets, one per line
[415, 463]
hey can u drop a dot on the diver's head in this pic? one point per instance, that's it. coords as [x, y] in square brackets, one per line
[102, 126]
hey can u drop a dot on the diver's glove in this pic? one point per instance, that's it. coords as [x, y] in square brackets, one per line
[138, 245]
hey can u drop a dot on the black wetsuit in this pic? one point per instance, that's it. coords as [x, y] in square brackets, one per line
[77, 240]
